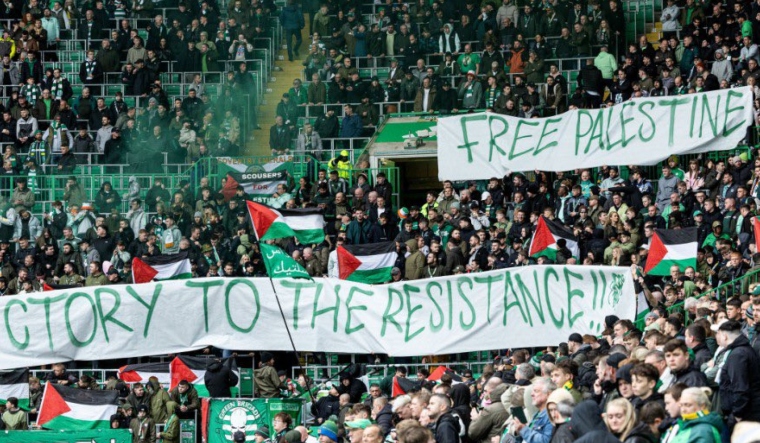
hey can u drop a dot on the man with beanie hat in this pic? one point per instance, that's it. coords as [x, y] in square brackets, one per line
[294, 436]
[328, 430]
[267, 381]
[261, 434]
[143, 428]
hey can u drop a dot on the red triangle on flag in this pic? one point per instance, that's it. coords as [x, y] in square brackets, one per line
[52, 406]
[46, 287]
[142, 272]
[657, 251]
[438, 373]
[756, 227]
[347, 263]
[130, 376]
[180, 371]
[230, 187]
[262, 217]
[542, 239]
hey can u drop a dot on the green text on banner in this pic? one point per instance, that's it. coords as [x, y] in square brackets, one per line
[643, 131]
[520, 307]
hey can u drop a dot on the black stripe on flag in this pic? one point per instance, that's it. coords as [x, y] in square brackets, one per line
[677, 236]
[86, 396]
[558, 230]
[371, 248]
[147, 367]
[165, 259]
[14, 377]
[300, 212]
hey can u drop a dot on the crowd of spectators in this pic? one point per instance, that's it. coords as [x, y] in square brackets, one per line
[665, 382]
[687, 374]
[45, 123]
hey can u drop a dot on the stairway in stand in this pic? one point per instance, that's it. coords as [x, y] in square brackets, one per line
[282, 81]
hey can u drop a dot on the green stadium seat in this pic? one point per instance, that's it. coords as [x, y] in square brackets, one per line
[173, 90]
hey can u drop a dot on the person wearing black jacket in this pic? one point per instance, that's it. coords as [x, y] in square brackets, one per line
[677, 356]
[383, 230]
[7, 128]
[353, 387]
[446, 426]
[141, 79]
[739, 378]
[590, 79]
[326, 406]
[446, 98]
[219, 379]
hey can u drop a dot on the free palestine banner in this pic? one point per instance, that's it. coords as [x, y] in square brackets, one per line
[642, 132]
[521, 307]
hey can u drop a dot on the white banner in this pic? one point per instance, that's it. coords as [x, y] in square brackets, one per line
[520, 307]
[643, 131]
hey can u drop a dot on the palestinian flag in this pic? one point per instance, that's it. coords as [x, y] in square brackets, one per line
[71, 409]
[54, 287]
[15, 384]
[140, 373]
[440, 370]
[307, 225]
[670, 247]
[370, 263]
[193, 369]
[403, 385]
[162, 267]
[544, 241]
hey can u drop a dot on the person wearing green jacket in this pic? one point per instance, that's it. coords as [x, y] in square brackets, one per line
[159, 399]
[697, 424]
[606, 63]
[171, 432]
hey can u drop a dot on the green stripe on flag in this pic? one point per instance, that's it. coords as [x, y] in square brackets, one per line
[549, 253]
[184, 276]
[63, 423]
[371, 276]
[663, 267]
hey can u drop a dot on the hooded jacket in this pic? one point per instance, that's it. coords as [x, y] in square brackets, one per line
[326, 406]
[447, 428]
[219, 379]
[740, 381]
[158, 400]
[415, 263]
[706, 427]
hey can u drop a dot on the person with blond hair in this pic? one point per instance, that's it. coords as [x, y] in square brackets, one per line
[620, 418]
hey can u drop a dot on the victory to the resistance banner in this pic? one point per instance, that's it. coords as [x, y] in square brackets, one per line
[643, 131]
[521, 307]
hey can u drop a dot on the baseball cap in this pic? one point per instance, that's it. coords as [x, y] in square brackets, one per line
[361, 423]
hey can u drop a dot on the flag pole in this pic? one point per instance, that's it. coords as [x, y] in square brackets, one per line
[282, 313]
